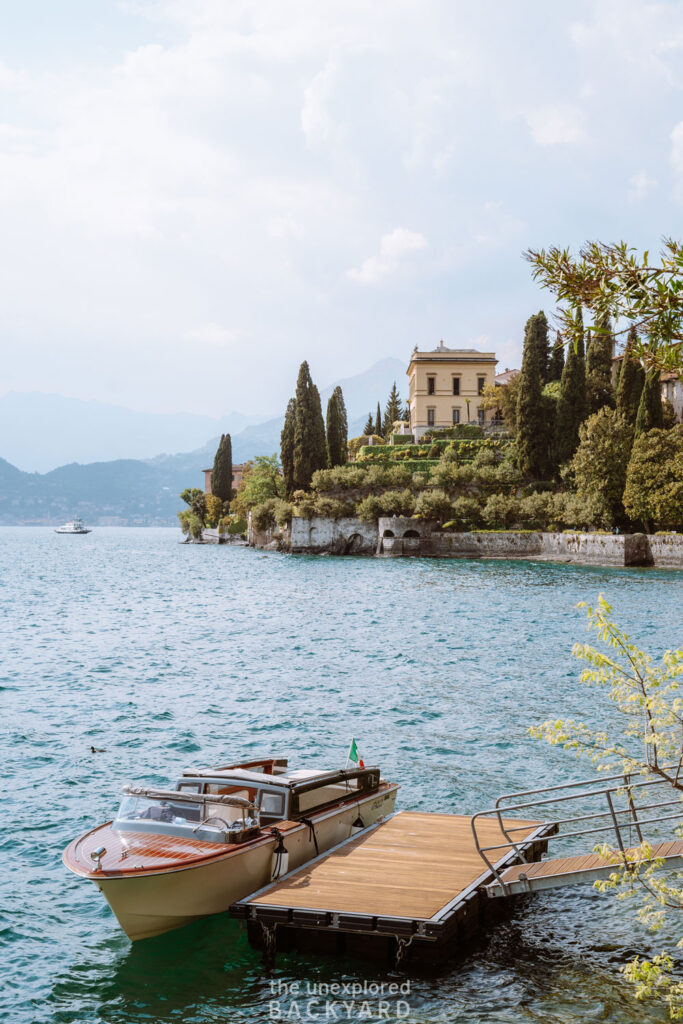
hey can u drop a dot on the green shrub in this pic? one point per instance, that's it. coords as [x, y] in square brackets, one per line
[469, 430]
[387, 475]
[271, 512]
[434, 504]
[502, 511]
[390, 503]
[237, 526]
[467, 514]
[214, 509]
[333, 508]
[537, 510]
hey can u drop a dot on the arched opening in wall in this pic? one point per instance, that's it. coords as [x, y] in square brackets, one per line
[412, 535]
[353, 544]
[388, 533]
[312, 535]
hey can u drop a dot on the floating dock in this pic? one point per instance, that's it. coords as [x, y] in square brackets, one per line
[410, 887]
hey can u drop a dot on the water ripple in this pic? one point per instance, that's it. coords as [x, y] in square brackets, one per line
[164, 655]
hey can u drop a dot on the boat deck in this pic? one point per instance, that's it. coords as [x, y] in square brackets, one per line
[411, 874]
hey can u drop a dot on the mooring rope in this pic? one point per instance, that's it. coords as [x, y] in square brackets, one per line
[311, 833]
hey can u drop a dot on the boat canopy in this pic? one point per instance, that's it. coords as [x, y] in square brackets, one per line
[194, 798]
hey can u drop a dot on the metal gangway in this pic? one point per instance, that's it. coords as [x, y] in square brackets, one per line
[617, 814]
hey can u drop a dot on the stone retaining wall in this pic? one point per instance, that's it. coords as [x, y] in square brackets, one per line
[597, 548]
[396, 536]
[667, 550]
[349, 536]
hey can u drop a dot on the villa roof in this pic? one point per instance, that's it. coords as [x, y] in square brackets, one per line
[442, 352]
[506, 376]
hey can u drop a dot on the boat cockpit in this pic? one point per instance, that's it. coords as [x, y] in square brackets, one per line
[230, 804]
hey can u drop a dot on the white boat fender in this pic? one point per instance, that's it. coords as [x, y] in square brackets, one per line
[280, 860]
[357, 826]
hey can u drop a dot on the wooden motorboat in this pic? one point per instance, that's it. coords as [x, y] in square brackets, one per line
[173, 856]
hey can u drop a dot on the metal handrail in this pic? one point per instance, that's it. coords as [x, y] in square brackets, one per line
[599, 814]
[613, 813]
[585, 782]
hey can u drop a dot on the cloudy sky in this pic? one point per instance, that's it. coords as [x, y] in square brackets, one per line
[197, 194]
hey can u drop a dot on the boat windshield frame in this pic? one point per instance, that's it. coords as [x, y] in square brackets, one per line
[205, 818]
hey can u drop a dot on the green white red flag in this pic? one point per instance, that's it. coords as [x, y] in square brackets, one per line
[354, 756]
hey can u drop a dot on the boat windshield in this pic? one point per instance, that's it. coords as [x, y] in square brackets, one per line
[144, 808]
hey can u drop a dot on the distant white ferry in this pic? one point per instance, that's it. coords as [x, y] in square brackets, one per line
[75, 526]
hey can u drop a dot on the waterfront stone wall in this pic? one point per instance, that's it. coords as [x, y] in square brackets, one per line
[487, 545]
[398, 536]
[348, 536]
[667, 550]
[597, 548]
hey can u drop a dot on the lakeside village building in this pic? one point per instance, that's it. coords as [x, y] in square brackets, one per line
[446, 388]
[237, 472]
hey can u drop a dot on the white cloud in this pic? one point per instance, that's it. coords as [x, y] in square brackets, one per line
[551, 125]
[317, 122]
[393, 247]
[641, 186]
[225, 163]
[214, 334]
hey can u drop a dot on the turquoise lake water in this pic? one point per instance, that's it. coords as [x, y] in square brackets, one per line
[167, 655]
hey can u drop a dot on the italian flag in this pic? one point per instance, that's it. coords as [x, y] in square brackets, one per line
[354, 756]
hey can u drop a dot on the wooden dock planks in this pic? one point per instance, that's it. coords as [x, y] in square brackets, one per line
[410, 866]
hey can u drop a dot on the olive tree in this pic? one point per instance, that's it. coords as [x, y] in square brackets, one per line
[613, 280]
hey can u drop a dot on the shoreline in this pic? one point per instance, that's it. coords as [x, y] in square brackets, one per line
[398, 537]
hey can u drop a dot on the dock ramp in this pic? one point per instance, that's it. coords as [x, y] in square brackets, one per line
[632, 815]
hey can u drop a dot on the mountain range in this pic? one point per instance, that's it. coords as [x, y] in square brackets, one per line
[143, 490]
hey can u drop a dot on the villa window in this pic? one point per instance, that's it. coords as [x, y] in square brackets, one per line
[430, 417]
[431, 385]
[456, 416]
[480, 417]
[456, 385]
[481, 381]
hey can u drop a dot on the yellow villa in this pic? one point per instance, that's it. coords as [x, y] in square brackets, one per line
[446, 385]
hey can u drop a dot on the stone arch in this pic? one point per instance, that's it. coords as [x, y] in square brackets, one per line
[388, 533]
[412, 535]
[353, 544]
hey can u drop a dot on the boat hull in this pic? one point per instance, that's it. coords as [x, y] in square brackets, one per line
[150, 903]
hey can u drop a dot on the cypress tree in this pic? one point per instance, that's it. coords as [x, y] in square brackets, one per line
[650, 411]
[320, 441]
[571, 403]
[631, 379]
[599, 368]
[287, 448]
[556, 365]
[221, 475]
[369, 427]
[337, 429]
[393, 410]
[378, 421]
[343, 420]
[534, 436]
[310, 450]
